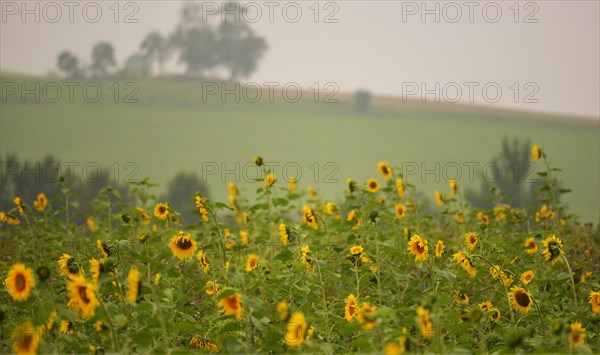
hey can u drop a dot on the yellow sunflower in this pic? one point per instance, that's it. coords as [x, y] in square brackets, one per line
[201, 208]
[68, 266]
[91, 224]
[270, 180]
[19, 204]
[372, 185]
[83, 297]
[351, 308]
[520, 300]
[244, 237]
[366, 316]
[144, 216]
[530, 246]
[41, 202]
[9, 219]
[161, 210]
[311, 193]
[536, 153]
[352, 217]
[308, 217]
[471, 240]
[460, 219]
[283, 310]
[465, 263]
[306, 258]
[232, 305]
[438, 198]
[135, 285]
[296, 330]
[356, 250]
[586, 276]
[419, 248]
[252, 262]
[461, 298]
[95, 270]
[212, 288]
[258, 160]
[203, 260]
[204, 345]
[400, 211]
[595, 301]
[400, 187]
[182, 245]
[453, 187]
[104, 249]
[293, 185]
[19, 282]
[384, 169]
[527, 277]
[553, 248]
[26, 338]
[157, 279]
[439, 249]
[284, 234]
[483, 218]
[425, 324]
[66, 327]
[330, 208]
[576, 335]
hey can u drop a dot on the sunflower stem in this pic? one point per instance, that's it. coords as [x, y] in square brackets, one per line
[512, 317]
[572, 280]
[323, 293]
[218, 234]
[115, 339]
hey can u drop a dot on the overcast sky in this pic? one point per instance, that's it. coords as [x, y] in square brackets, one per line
[551, 52]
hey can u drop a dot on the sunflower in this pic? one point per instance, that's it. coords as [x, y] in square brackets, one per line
[212, 288]
[356, 250]
[296, 330]
[252, 262]
[438, 198]
[232, 305]
[204, 345]
[203, 260]
[400, 211]
[576, 335]
[465, 263]
[483, 218]
[9, 219]
[499, 212]
[283, 310]
[496, 315]
[330, 208]
[41, 202]
[553, 249]
[586, 276]
[233, 203]
[66, 327]
[372, 185]
[19, 204]
[157, 279]
[284, 234]
[352, 217]
[530, 246]
[135, 285]
[425, 324]
[68, 266]
[453, 187]
[460, 219]
[201, 208]
[144, 216]
[293, 185]
[527, 277]
[270, 180]
[384, 169]
[471, 240]
[506, 280]
[418, 247]
[520, 300]
[26, 338]
[461, 298]
[439, 249]
[104, 249]
[91, 224]
[95, 270]
[351, 185]
[311, 193]
[351, 308]
[486, 306]
[400, 187]
[19, 282]
[182, 245]
[51, 320]
[161, 210]
[244, 237]
[308, 217]
[258, 160]
[83, 297]
[366, 316]
[595, 301]
[233, 191]
[536, 153]
[393, 348]
[305, 258]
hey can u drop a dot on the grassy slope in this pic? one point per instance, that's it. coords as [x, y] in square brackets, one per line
[170, 129]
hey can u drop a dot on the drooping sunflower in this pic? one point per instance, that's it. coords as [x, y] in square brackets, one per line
[201, 208]
[161, 210]
[372, 185]
[252, 262]
[270, 180]
[104, 249]
[356, 250]
[203, 260]
[308, 217]
[384, 169]
[527, 277]
[400, 211]
[586, 276]
[351, 308]
[530, 246]
[283, 310]
[439, 249]
[438, 198]
[66, 327]
[461, 298]
[506, 280]
[419, 248]
[19, 282]
[453, 187]
[399, 187]
[68, 266]
[244, 236]
[483, 218]
[135, 285]
[595, 301]
[471, 239]
[293, 185]
[330, 208]
[536, 152]
[9, 219]
[465, 263]
[144, 216]
[520, 300]
[232, 305]
[366, 316]
[284, 234]
[26, 338]
[19, 204]
[182, 245]
[295, 332]
[41, 202]
[425, 324]
[51, 320]
[212, 288]
[305, 258]
[312, 195]
[576, 335]
[83, 296]
[553, 249]
[352, 217]
[95, 270]
[204, 345]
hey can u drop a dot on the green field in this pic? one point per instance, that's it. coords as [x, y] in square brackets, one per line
[170, 129]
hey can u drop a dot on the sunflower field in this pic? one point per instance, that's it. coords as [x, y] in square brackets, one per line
[289, 271]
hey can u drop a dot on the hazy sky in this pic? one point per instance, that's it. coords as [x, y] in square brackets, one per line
[551, 52]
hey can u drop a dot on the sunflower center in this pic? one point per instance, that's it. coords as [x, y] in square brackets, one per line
[72, 266]
[473, 240]
[184, 243]
[420, 248]
[82, 291]
[522, 299]
[20, 282]
[162, 209]
[27, 340]
[373, 185]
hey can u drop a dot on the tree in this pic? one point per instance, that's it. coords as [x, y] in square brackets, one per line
[68, 63]
[362, 100]
[137, 66]
[103, 57]
[198, 47]
[156, 48]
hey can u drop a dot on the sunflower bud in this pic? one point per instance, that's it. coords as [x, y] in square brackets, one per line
[373, 216]
[43, 273]
[126, 218]
[258, 161]
[143, 237]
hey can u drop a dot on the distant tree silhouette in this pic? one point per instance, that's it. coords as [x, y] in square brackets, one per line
[103, 57]
[180, 193]
[362, 101]
[156, 49]
[68, 63]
